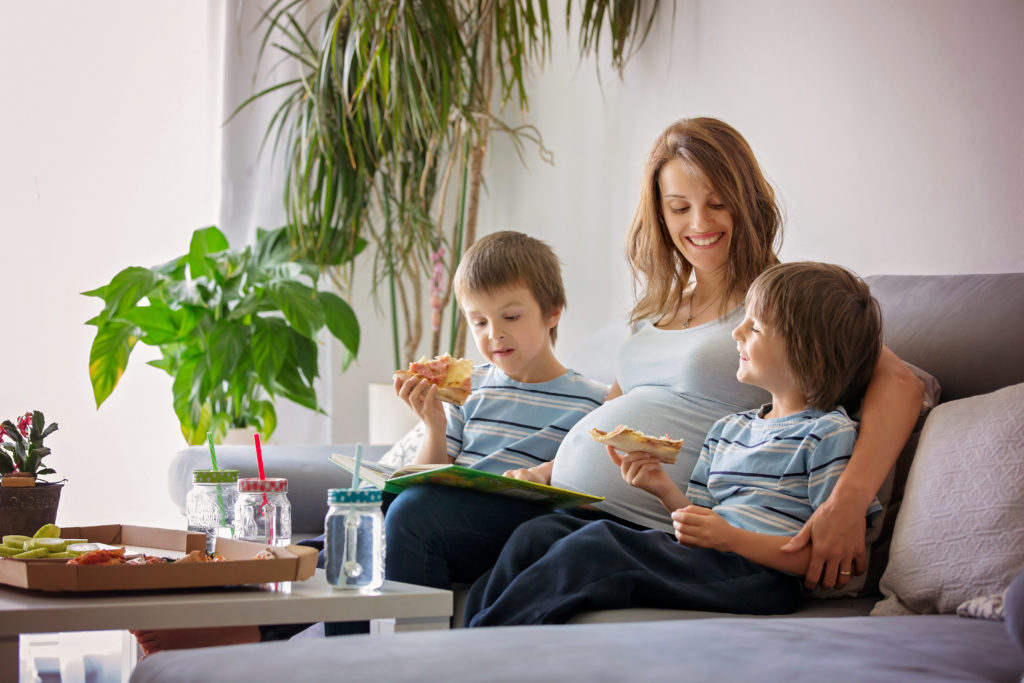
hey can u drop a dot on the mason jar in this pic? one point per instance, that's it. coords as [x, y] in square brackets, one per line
[354, 539]
[210, 504]
[262, 511]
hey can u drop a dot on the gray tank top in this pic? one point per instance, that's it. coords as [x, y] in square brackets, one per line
[675, 382]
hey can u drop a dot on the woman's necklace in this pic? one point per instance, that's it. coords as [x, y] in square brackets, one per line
[690, 315]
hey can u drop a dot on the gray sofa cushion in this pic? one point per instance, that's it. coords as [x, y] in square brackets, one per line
[929, 648]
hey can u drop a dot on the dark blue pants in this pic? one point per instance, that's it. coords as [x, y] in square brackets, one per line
[556, 566]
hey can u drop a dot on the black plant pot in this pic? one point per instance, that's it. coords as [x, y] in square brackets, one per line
[24, 509]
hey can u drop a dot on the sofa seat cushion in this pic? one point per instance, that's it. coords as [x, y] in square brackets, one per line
[920, 648]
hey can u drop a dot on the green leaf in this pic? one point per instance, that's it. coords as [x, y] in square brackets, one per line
[271, 340]
[123, 292]
[300, 307]
[291, 386]
[342, 323]
[302, 354]
[156, 322]
[108, 357]
[188, 397]
[267, 416]
[205, 241]
[229, 342]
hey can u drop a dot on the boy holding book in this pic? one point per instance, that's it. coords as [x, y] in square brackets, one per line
[811, 337]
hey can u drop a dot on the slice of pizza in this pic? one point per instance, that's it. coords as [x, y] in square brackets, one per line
[624, 439]
[452, 376]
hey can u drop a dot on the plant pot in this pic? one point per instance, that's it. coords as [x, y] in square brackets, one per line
[240, 436]
[24, 510]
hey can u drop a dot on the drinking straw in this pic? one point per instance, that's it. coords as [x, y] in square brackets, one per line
[359, 461]
[259, 462]
[213, 459]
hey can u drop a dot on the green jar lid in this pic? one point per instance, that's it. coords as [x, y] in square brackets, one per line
[214, 476]
[350, 496]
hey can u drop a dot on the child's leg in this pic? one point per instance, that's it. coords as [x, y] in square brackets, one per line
[605, 565]
[438, 535]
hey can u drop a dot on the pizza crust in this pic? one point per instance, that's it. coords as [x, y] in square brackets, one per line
[627, 440]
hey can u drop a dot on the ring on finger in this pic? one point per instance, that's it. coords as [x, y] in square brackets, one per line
[842, 573]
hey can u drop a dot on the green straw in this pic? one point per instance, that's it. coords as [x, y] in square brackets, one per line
[213, 459]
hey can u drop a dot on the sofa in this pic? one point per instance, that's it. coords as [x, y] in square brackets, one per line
[951, 540]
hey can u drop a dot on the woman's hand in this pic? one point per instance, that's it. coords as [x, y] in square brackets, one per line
[835, 533]
[702, 527]
[421, 397]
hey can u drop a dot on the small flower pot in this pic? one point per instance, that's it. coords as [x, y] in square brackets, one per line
[24, 509]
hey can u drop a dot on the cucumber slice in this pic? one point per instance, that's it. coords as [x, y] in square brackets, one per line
[30, 554]
[72, 541]
[16, 540]
[53, 545]
[47, 531]
[6, 551]
[59, 556]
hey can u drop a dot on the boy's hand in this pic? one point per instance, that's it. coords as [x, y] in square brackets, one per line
[643, 471]
[702, 527]
[421, 397]
[527, 474]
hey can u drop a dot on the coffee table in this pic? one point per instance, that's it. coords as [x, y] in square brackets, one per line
[395, 607]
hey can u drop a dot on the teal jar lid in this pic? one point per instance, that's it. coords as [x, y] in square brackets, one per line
[350, 496]
[214, 476]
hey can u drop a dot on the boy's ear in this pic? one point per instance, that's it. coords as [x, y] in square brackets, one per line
[554, 317]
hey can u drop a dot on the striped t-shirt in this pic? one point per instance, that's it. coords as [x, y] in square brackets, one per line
[506, 424]
[769, 475]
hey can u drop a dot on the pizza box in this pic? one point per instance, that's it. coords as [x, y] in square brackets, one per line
[292, 563]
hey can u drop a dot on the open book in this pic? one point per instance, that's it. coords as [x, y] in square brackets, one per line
[396, 480]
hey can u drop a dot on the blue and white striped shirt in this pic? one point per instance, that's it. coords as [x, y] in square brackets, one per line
[506, 424]
[769, 475]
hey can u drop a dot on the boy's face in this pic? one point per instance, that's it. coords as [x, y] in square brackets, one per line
[763, 361]
[512, 332]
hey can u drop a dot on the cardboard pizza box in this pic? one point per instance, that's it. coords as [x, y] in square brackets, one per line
[291, 563]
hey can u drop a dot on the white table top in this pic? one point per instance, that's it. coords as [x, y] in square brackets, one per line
[313, 600]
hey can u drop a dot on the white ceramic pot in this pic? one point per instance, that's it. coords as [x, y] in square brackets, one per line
[389, 418]
[241, 436]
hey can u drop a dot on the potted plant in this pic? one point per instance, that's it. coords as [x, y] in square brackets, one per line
[388, 125]
[26, 503]
[235, 328]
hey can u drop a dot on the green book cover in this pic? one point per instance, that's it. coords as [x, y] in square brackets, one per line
[395, 481]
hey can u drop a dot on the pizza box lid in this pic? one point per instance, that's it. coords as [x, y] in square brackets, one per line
[291, 563]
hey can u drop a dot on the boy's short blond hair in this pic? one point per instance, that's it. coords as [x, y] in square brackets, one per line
[831, 325]
[508, 258]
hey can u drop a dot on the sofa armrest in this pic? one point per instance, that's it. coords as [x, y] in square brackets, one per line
[307, 468]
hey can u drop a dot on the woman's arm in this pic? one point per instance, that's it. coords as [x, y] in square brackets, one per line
[836, 530]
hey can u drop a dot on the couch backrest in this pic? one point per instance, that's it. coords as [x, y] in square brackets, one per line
[966, 330]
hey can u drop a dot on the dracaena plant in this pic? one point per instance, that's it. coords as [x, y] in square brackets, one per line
[236, 328]
[21, 444]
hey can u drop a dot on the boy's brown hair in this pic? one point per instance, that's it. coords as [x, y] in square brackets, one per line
[831, 325]
[508, 258]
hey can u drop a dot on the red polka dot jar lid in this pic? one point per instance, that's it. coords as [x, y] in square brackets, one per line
[257, 485]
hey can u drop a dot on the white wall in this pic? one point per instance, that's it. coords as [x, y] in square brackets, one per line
[890, 127]
[110, 128]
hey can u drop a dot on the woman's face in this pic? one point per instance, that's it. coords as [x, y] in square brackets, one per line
[697, 220]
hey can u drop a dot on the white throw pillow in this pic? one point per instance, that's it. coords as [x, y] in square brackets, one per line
[405, 449]
[959, 534]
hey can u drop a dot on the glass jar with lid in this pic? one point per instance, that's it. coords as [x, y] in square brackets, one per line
[354, 539]
[210, 504]
[262, 511]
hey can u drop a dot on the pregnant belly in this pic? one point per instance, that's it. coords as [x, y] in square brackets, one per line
[584, 465]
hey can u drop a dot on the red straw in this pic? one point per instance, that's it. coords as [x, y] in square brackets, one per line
[259, 462]
[259, 455]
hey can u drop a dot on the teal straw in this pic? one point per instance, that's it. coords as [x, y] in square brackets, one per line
[213, 459]
[359, 461]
